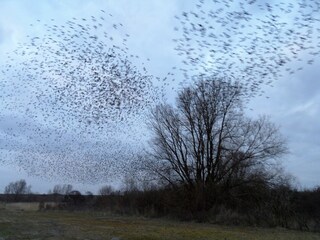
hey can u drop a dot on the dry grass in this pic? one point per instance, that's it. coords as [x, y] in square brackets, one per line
[92, 225]
[32, 206]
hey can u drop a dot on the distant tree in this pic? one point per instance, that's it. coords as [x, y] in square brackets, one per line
[208, 146]
[18, 187]
[131, 183]
[89, 193]
[64, 189]
[74, 198]
[106, 190]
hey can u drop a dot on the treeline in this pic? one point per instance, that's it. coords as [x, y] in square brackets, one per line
[251, 205]
[255, 205]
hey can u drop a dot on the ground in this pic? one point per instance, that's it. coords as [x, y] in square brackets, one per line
[30, 224]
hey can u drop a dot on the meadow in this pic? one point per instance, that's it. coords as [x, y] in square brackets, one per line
[26, 223]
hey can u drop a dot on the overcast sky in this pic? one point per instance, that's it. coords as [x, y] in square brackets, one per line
[293, 102]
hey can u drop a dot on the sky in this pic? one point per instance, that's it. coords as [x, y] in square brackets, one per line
[292, 103]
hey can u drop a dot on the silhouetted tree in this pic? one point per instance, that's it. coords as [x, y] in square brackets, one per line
[74, 199]
[106, 190]
[17, 189]
[207, 145]
[64, 189]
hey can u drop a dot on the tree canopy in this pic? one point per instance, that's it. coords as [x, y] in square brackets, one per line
[207, 142]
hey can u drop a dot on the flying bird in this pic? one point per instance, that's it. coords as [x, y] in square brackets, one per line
[83, 97]
[251, 41]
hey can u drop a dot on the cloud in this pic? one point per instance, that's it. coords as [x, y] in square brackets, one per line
[294, 104]
[307, 109]
[1, 34]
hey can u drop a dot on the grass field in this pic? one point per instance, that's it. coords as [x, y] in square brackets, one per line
[18, 224]
[33, 206]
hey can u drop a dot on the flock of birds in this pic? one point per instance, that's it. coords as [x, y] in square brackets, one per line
[83, 69]
[84, 95]
[251, 41]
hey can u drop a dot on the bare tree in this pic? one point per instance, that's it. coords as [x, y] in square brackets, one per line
[17, 188]
[106, 190]
[64, 189]
[206, 141]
